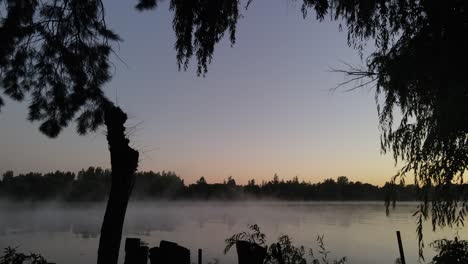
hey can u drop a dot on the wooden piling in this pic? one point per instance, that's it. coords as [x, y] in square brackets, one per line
[199, 256]
[250, 253]
[400, 247]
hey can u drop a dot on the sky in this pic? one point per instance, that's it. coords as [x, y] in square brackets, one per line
[266, 105]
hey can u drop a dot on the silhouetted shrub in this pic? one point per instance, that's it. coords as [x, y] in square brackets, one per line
[283, 251]
[450, 251]
[323, 254]
[10, 256]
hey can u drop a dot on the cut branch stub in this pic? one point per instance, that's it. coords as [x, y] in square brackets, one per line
[122, 156]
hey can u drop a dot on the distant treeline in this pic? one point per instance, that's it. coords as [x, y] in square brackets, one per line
[93, 185]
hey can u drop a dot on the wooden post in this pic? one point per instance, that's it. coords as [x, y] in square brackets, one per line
[199, 256]
[400, 247]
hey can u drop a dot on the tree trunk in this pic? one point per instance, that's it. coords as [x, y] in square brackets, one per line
[124, 162]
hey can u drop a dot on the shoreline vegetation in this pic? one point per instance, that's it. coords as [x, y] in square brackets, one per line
[92, 185]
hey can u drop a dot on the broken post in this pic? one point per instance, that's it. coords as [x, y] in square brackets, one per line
[135, 251]
[250, 253]
[169, 252]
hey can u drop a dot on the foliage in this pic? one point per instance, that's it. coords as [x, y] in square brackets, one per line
[417, 68]
[282, 249]
[450, 251]
[10, 256]
[285, 250]
[55, 54]
[199, 25]
[323, 254]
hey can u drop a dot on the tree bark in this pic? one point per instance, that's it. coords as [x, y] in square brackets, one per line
[124, 162]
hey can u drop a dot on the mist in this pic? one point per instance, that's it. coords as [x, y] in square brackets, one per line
[69, 234]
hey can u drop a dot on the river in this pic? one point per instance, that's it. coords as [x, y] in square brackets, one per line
[361, 231]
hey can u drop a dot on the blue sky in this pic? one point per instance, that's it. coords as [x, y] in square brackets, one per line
[264, 107]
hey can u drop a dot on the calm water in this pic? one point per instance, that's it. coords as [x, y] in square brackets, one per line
[361, 231]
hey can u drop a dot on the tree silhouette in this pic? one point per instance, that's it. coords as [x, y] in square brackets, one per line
[201, 181]
[342, 180]
[56, 53]
[417, 68]
[93, 185]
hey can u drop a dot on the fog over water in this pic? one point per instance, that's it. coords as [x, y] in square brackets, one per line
[360, 231]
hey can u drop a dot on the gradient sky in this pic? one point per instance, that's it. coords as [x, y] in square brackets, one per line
[264, 107]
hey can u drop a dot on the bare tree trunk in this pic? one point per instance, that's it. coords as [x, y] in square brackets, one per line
[124, 162]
